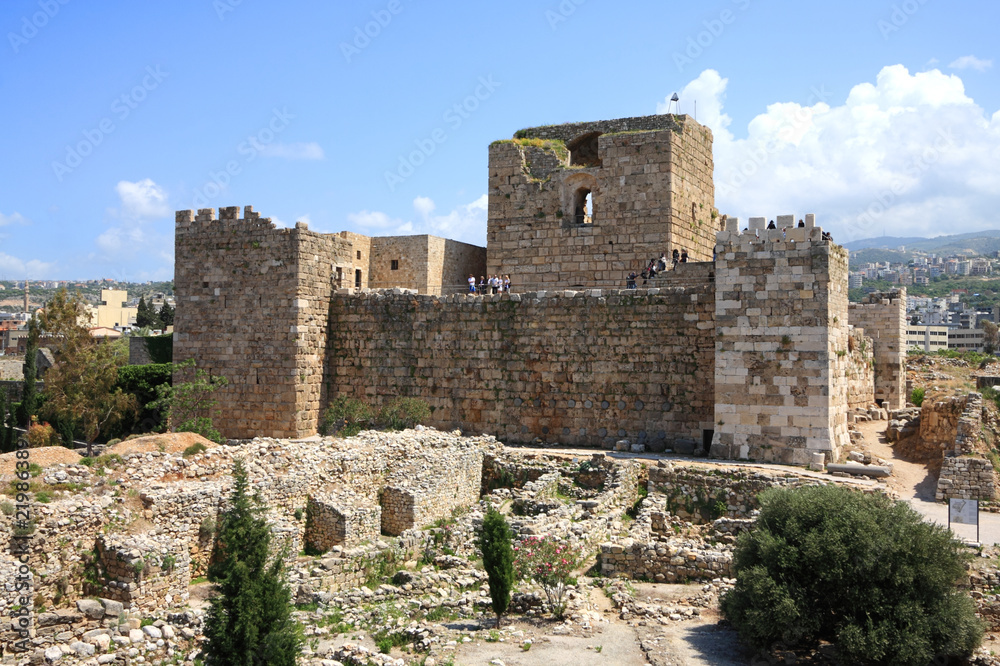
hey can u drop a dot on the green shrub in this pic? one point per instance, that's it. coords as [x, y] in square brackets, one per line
[403, 413]
[917, 396]
[346, 417]
[194, 449]
[861, 571]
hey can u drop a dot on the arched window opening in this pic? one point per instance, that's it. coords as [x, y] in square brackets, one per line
[583, 206]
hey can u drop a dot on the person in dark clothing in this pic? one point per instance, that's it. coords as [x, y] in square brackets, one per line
[772, 225]
[630, 282]
[676, 256]
[801, 224]
[684, 257]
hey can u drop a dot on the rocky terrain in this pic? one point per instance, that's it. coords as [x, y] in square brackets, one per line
[122, 542]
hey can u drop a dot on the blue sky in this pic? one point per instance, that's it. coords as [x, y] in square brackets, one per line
[880, 117]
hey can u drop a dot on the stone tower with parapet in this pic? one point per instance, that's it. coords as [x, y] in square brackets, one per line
[650, 188]
[781, 343]
[252, 306]
[882, 315]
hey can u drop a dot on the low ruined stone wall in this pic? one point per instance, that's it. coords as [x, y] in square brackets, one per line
[966, 478]
[341, 519]
[939, 416]
[702, 494]
[575, 368]
[143, 572]
[663, 562]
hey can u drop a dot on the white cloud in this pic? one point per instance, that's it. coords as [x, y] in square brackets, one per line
[135, 239]
[971, 62]
[293, 151]
[466, 223]
[33, 269]
[13, 218]
[911, 154]
[142, 199]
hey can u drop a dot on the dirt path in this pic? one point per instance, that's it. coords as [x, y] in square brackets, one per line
[916, 483]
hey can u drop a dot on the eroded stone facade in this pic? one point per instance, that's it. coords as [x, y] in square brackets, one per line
[882, 316]
[650, 188]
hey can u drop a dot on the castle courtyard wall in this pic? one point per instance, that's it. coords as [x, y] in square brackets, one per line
[577, 368]
[883, 316]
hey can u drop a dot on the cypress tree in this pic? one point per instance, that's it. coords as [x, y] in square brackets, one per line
[166, 316]
[498, 559]
[29, 396]
[6, 425]
[249, 622]
[144, 316]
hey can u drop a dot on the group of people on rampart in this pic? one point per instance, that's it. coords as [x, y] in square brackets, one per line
[494, 284]
[656, 266]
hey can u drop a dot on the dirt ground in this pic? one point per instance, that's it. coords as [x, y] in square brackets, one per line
[173, 442]
[45, 456]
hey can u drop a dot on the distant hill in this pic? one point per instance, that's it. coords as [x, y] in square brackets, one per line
[978, 242]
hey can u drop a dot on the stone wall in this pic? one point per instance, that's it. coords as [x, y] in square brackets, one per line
[704, 494]
[252, 304]
[651, 190]
[883, 317]
[341, 519]
[963, 477]
[860, 370]
[576, 368]
[939, 417]
[781, 366]
[143, 572]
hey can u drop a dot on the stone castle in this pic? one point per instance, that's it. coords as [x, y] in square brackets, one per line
[750, 350]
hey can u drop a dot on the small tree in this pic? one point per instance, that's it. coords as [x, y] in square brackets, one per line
[29, 395]
[145, 317]
[81, 386]
[495, 544]
[550, 563]
[990, 335]
[825, 563]
[249, 622]
[189, 405]
[7, 436]
[166, 316]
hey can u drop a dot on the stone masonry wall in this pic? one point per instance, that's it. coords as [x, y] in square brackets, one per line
[883, 317]
[939, 416]
[429, 264]
[577, 368]
[781, 366]
[860, 370]
[651, 190]
[252, 307]
[341, 519]
[966, 478]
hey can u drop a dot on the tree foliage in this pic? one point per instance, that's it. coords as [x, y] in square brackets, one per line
[82, 385]
[145, 316]
[190, 405]
[496, 546]
[249, 622]
[29, 395]
[825, 563]
[166, 316]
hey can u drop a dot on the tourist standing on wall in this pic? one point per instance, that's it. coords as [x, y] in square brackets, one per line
[472, 284]
[482, 284]
[630, 282]
[506, 283]
[676, 256]
[684, 257]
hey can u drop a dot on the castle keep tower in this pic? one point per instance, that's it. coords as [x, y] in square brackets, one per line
[581, 205]
[781, 350]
